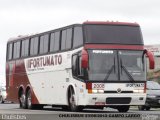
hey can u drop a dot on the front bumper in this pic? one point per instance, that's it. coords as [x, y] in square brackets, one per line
[114, 99]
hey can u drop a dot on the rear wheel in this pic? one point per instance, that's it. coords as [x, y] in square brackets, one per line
[22, 101]
[29, 102]
[123, 108]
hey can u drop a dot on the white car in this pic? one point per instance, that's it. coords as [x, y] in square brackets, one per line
[3, 95]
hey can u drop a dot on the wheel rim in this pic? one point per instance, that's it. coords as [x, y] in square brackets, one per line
[72, 101]
[22, 100]
[29, 99]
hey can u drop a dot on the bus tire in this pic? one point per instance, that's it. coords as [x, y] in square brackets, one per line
[123, 108]
[22, 101]
[72, 100]
[29, 102]
[1, 99]
[29, 99]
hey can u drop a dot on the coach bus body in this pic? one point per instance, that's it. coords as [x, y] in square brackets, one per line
[89, 65]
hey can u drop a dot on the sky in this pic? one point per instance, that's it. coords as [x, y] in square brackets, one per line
[22, 17]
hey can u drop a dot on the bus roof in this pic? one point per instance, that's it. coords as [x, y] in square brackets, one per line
[111, 23]
[19, 37]
[87, 22]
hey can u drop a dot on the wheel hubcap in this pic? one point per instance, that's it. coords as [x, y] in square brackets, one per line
[72, 101]
[29, 100]
[22, 99]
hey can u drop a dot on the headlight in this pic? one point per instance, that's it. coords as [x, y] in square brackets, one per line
[138, 91]
[96, 91]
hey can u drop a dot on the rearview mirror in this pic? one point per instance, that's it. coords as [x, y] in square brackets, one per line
[84, 60]
[151, 59]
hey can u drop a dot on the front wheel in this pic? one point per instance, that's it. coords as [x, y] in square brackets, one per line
[72, 102]
[123, 108]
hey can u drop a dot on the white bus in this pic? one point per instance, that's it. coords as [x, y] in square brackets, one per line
[89, 65]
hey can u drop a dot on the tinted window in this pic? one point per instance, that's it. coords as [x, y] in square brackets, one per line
[44, 44]
[10, 46]
[78, 37]
[57, 41]
[63, 41]
[103, 65]
[66, 41]
[77, 70]
[25, 48]
[54, 41]
[69, 38]
[132, 65]
[113, 34]
[74, 65]
[16, 53]
[34, 46]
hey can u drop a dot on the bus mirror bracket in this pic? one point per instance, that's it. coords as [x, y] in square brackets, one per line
[84, 59]
[151, 59]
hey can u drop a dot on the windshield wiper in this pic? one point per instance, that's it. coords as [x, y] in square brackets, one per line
[126, 71]
[110, 71]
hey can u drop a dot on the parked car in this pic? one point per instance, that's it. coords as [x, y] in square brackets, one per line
[3, 94]
[153, 96]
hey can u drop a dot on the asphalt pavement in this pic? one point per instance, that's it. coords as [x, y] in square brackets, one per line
[10, 111]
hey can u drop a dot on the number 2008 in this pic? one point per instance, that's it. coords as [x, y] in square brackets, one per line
[98, 86]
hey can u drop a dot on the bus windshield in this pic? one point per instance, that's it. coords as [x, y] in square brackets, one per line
[114, 65]
[113, 34]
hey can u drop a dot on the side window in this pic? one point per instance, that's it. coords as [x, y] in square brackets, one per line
[74, 65]
[77, 70]
[63, 40]
[69, 39]
[54, 41]
[34, 46]
[25, 48]
[44, 40]
[16, 52]
[9, 51]
[66, 41]
[78, 37]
